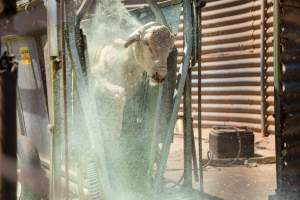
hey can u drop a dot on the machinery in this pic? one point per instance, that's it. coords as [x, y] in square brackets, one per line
[48, 39]
[51, 48]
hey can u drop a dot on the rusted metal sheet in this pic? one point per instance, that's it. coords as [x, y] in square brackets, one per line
[31, 91]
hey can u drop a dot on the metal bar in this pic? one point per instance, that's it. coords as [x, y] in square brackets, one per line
[262, 68]
[199, 52]
[20, 113]
[64, 96]
[277, 93]
[188, 37]
[84, 7]
[157, 12]
[94, 131]
[187, 122]
[194, 156]
[56, 130]
[52, 27]
[154, 143]
[8, 133]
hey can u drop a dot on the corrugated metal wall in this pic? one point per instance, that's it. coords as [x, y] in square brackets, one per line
[231, 79]
[231, 64]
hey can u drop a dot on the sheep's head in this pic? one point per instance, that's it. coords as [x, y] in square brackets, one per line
[152, 44]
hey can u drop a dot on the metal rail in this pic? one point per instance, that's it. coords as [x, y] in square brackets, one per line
[84, 7]
[199, 49]
[94, 131]
[157, 12]
[65, 102]
[187, 123]
[188, 37]
[154, 143]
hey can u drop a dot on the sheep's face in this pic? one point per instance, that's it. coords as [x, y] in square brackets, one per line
[152, 48]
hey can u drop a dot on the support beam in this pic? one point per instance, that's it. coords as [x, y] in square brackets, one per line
[187, 123]
[188, 37]
[8, 130]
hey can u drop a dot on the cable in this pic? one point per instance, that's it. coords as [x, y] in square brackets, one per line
[210, 154]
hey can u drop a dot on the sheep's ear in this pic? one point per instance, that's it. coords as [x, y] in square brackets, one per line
[132, 38]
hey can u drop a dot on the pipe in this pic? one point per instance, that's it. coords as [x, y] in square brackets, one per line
[194, 157]
[84, 95]
[187, 122]
[8, 128]
[163, 109]
[157, 12]
[199, 6]
[20, 115]
[262, 68]
[188, 37]
[84, 7]
[162, 90]
[64, 86]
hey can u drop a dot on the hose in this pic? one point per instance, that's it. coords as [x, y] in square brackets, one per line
[92, 181]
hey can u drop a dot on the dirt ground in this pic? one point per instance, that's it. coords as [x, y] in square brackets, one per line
[250, 181]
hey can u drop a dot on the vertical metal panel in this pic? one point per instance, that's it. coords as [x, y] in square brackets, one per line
[287, 96]
[277, 88]
[8, 134]
[31, 91]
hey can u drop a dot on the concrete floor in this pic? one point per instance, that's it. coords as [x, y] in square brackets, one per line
[252, 181]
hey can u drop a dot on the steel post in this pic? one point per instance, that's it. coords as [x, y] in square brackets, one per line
[187, 122]
[278, 92]
[263, 68]
[8, 133]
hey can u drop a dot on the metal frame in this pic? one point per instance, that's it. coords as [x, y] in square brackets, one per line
[263, 47]
[60, 77]
[188, 37]
[278, 92]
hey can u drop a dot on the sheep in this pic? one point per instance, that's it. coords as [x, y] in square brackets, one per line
[117, 68]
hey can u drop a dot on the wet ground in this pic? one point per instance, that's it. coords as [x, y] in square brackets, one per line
[253, 180]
